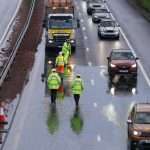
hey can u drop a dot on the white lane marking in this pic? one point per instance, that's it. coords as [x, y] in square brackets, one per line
[133, 51]
[92, 82]
[87, 49]
[98, 138]
[82, 20]
[95, 104]
[83, 28]
[85, 37]
[112, 91]
[89, 63]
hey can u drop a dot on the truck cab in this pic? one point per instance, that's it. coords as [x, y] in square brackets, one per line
[60, 27]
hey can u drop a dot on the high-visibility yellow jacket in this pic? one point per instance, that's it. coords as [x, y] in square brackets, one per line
[77, 86]
[59, 60]
[53, 81]
[66, 48]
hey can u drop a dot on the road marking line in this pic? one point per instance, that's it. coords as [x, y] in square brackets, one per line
[87, 49]
[112, 91]
[92, 82]
[95, 104]
[85, 37]
[82, 20]
[89, 63]
[83, 28]
[133, 51]
[98, 138]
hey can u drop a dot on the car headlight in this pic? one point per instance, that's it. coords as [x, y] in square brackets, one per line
[136, 133]
[50, 41]
[95, 16]
[72, 41]
[112, 65]
[133, 66]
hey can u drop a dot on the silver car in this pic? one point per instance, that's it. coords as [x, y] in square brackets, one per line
[108, 28]
[97, 17]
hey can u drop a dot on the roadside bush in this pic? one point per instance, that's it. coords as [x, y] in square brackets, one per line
[145, 4]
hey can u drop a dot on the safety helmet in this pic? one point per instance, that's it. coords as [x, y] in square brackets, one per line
[60, 53]
[53, 70]
[78, 75]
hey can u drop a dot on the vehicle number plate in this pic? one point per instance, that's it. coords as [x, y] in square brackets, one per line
[124, 71]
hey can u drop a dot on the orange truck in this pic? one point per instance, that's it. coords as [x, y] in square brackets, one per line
[60, 24]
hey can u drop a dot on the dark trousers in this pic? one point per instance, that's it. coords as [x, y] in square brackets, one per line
[53, 95]
[76, 98]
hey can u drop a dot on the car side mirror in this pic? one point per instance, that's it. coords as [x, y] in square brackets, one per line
[108, 58]
[137, 58]
[129, 121]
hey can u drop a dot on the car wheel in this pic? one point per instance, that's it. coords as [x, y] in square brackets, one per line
[118, 37]
[88, 12]
[99, 35]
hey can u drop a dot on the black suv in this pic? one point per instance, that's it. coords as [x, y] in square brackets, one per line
[122, 62]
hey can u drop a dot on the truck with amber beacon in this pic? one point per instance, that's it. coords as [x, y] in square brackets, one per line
[61, 24]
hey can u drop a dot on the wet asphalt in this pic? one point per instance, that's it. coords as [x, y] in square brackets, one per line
[99, 123]
[7, 11]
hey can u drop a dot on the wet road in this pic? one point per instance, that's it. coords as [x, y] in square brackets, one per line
[7, 10]
[101, 120]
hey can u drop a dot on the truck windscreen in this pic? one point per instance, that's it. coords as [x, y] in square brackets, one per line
[61, 22]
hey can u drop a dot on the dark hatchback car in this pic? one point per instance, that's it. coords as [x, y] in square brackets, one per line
[108, 28]
[139, 126]
[91, 7]
[122, 62]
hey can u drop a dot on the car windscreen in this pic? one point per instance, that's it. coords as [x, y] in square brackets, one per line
[61, 23]
[122, 56]
[142, 118]
[100, 11]
[108, 24]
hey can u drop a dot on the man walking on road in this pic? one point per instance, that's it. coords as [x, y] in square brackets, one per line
[77, 89]
[54, 82]
[59, 63]
[66, 50]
